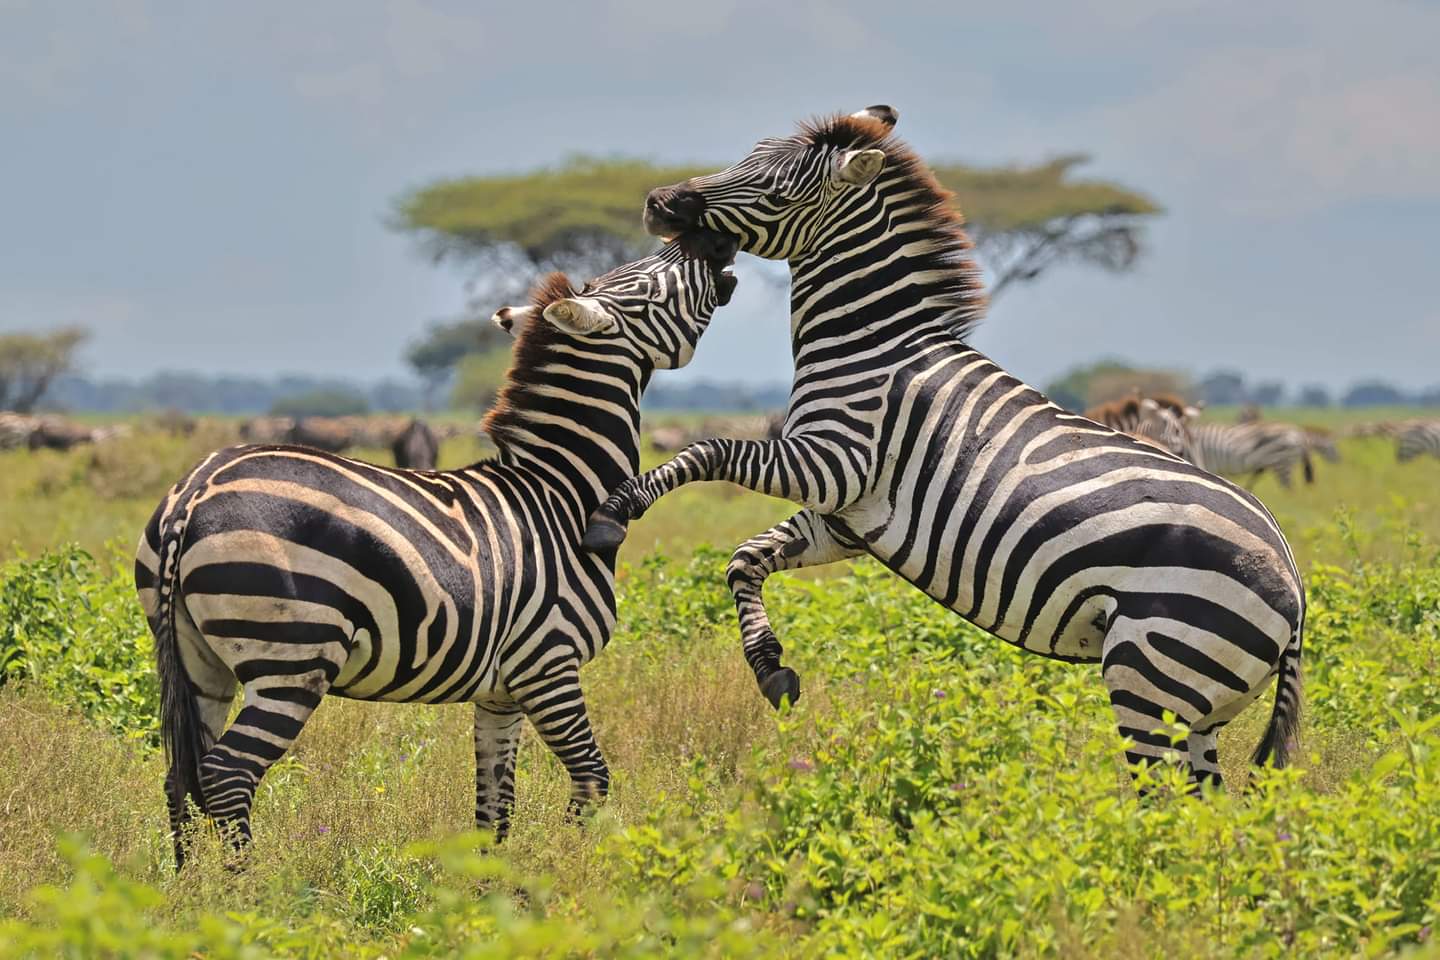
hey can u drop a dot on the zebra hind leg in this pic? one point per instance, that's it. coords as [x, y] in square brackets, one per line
[1205, 760]
[214, 708]
[274, 712]
[497, 735]
[1141, 694]
[555, 706]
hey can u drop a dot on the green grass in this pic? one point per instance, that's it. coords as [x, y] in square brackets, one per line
[934, 793]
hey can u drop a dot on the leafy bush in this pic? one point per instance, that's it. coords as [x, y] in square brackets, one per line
[77, 632]
[934, 793]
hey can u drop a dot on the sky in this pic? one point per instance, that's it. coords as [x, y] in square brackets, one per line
[206, 186]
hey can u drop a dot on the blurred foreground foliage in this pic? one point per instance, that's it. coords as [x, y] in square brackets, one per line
[934, 793]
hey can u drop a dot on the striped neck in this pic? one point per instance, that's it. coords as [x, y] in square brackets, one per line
[893, 267]
[570, 414]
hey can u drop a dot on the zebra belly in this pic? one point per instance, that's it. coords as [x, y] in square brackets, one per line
[1078, 636]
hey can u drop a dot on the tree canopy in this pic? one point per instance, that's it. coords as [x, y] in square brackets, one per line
[552, 216]
[582, 217]
[1025, 219]
[29, 362]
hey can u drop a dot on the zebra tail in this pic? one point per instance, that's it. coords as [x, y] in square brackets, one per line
[1307, 467]
[182, 730]
[1282, 733]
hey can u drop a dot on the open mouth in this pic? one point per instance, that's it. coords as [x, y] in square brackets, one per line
[725, 283]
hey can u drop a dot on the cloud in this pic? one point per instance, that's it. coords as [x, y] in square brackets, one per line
[1336, 113]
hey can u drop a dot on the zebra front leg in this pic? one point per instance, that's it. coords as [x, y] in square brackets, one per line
[802, 541]
[497, 735]
[822, 475]
[555, 706]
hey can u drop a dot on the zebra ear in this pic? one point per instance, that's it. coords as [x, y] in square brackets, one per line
[581, 316]
[859, 168]
[1149, 405]
[883, 112]
[511, 319]
[1193, 410]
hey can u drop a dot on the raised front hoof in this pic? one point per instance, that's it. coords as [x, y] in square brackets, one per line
[782, 685]
[604, 533]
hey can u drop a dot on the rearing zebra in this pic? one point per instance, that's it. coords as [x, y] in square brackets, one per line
[296, 573]
[1050, 531]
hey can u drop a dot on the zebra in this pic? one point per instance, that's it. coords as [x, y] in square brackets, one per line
[1253, 448]
[1162, 420]
[1416, 438]
[295, 573]
[1054, 533]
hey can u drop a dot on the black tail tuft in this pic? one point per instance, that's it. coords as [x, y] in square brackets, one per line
[1307, 467]
[182, 730]
[1284, 728]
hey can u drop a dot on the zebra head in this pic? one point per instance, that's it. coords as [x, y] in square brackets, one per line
[778, 199]
[657, 306]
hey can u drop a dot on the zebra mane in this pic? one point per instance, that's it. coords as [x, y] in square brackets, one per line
[907, 175]
[529, 351]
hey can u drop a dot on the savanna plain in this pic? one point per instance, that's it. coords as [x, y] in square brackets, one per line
[933, 793]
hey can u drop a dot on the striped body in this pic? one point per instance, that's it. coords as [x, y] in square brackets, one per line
[294, 573]
[1054, 533]
[1162, 422]
[1417, 438]
[1250, 449]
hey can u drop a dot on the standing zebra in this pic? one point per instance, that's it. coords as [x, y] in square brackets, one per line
[297, 573]
[1162, 421]
[1050, 531]
[1417, 437]
[1238, 449]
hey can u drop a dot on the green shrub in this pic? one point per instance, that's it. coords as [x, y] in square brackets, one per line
[77, 632]
[934, 793]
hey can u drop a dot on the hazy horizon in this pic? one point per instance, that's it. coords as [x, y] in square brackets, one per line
[206, 188]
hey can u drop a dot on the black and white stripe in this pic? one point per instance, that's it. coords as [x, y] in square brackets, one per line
[1417, 438]
[1161, 421]
[293, 573]
[1050, 531]
[1250, 449]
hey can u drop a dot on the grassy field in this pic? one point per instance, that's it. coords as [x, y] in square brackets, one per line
[934, 793]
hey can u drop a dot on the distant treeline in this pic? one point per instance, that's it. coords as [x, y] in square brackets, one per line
[1098, 382]
[295, 395]
[328, 396]
[199, 393]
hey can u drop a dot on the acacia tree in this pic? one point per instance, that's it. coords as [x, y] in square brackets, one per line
[1026, 219]
[30, 362]
[582, 217]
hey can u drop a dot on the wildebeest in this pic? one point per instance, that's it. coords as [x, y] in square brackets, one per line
[416, 447]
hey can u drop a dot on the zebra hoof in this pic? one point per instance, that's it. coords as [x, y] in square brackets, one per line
[604, 533]
[782, 685]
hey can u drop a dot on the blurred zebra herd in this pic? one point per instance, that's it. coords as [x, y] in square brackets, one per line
[1243, 450]
[1253, 446]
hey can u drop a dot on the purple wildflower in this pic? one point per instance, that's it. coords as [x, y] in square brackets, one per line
[801, 764]
[940, 694]
[322, 829]
[1283, 836]
[754, 890]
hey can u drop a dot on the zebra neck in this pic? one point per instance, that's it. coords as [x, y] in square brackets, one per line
[573, 422]
[887, 273]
